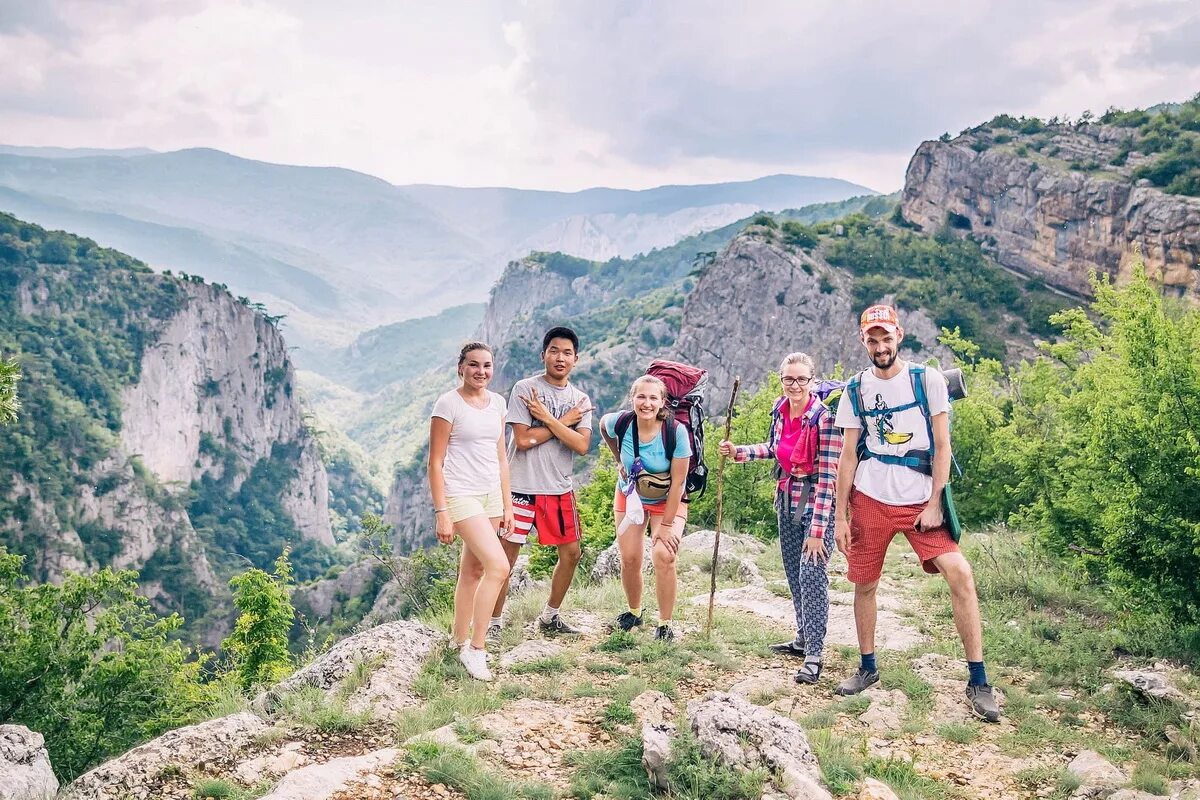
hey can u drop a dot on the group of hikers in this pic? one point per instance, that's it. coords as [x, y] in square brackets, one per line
[851, 478]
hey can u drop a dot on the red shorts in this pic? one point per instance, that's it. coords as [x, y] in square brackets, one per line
[873, 525]
[553, 515]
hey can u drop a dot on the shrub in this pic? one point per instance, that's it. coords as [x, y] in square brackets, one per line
[258, 646]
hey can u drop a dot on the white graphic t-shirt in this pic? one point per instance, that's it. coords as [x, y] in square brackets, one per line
[894, 433]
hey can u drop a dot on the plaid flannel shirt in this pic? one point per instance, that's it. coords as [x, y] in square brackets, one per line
[829, 450]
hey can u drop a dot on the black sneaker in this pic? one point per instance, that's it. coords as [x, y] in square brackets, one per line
[810, 673]
[860, 680]
[628, 621]
[666, 633]
[787, 649]
[557, 626]
[983, 703]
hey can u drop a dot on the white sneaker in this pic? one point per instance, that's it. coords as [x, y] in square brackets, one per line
[476, 662]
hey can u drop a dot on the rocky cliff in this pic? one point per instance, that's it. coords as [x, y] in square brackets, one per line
[160, 426]
[1057, 205]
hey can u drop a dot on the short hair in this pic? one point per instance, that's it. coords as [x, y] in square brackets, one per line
[798, 358]
[663, 412]
[559, 332]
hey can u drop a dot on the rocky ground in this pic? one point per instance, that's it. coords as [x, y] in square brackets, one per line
[389, 713]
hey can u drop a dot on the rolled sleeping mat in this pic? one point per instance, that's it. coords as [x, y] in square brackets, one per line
[955, 383]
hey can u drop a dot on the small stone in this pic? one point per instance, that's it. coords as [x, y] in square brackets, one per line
[876, 790]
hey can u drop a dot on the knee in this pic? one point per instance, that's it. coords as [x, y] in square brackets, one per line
[959, 575]
[866, 590]
[569, 554]
[497, 569]
[664, 560]
[472, 573]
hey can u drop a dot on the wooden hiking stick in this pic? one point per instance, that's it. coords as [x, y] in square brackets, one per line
[712, 589]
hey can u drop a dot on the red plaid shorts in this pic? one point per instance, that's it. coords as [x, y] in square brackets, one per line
[873, 525]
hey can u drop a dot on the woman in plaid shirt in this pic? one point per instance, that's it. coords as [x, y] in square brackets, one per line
[805, 446]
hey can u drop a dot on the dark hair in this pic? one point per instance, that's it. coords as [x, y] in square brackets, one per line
[468, 347]
[560, 333]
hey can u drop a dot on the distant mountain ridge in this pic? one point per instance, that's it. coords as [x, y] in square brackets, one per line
[339, 251]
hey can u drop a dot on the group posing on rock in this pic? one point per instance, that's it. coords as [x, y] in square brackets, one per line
[851, 475]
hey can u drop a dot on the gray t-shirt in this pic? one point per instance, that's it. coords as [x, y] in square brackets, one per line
[547, 468]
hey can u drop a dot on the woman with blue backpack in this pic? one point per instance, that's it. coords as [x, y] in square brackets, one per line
[805, 445]
[653, 461]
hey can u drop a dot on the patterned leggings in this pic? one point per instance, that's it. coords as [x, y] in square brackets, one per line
[809, 582]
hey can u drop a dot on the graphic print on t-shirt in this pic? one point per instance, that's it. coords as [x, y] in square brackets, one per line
[884, 428]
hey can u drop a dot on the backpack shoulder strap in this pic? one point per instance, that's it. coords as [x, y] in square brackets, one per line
[917, 375]
[620, 428]
[854, 389]
[669, 436]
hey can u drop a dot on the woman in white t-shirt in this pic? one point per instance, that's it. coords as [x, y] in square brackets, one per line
[468, 478]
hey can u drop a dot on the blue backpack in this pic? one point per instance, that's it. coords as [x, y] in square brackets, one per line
[920, 460]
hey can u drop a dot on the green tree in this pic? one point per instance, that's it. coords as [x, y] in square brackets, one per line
[90, 666]
[10, 373]
[258, 645]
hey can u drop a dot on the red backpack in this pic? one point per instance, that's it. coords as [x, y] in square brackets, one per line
[685, 397]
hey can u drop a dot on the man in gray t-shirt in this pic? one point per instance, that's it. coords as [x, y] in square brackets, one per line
[549, 423]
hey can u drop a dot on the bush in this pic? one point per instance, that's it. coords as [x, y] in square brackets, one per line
[800, 235]
[258, 646]
[90, 666]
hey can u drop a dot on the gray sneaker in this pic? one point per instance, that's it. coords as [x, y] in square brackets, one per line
[494, 632]
[983, 703]
[557, 625]
[860, 680]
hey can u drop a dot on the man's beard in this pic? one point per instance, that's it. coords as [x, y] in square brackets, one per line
[884, 360]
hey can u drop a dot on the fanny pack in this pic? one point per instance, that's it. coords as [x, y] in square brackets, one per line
[653, 485]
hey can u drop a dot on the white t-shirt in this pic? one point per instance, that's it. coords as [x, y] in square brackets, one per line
[894, 433]
[472, 465]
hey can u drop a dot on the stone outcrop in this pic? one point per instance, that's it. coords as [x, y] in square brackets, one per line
[393, 653]
[1098, 777]
[739, 734]
[323, 781]
[1045, 220]
[25, 771]
[759, 301]
[136, 774]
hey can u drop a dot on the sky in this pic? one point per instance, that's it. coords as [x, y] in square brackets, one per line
[567, 95]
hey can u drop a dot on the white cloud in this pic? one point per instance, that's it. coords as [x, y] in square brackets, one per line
[567, 94]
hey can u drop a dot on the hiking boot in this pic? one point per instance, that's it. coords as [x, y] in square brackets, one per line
[628, 621]
[666, 633]
[810, 673]
[983, 703]
[556, 626]
[860, 680]
[787, 649]
[476, 662]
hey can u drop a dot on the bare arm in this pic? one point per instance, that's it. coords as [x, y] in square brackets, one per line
[439, 439]
[505, 491]
[847, 465]
[576, 441]
[933, 516]
[527, 438]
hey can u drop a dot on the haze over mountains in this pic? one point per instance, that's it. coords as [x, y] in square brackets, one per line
[340, 252]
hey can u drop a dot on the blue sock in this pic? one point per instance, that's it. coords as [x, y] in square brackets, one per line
[978, 673]
[867, 662]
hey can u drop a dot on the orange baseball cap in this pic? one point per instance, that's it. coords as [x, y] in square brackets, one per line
[880, 316]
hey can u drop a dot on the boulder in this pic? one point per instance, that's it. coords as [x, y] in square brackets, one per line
[520, 580]
[1098, 777]
[1185, 790]
[732, 543]
[1152, 683]
[530, 650]
[395, 650]
[656, 752]
[766, 685]
[653, 707]
[876, 790]
[217, 742]
[1133, 794]
[740, 734]
[887, 709]
[322, 781]
[25, 771]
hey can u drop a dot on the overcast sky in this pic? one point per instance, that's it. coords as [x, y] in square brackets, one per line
[573, 94]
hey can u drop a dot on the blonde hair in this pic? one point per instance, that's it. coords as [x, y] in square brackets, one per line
[663, 412]
[468, 348]
[797, 358]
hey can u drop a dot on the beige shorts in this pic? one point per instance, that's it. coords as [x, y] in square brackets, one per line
[475, 505]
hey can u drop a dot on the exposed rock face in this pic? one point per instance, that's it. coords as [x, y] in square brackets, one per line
[322, 781]
[136, 773]
[319, 599]
[395, 652]
[608, 562]
[220, 369]
[25, 771]
[1051, 222]
[758, 302]
[740, 734]
[525, 286]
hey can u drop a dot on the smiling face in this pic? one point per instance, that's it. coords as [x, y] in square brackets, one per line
[476, 369]
[796, 378]
[647, 399]
[560, 358]
[883, 345]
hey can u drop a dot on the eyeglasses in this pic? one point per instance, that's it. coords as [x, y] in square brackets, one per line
[801, 381]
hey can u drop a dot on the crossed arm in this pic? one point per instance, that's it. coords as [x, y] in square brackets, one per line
[527, 438]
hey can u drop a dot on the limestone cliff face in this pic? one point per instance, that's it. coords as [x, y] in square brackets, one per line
[1039, 217]
[525, 287]
[761, 300]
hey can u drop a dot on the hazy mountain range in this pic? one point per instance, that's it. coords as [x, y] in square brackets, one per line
[340, 252]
